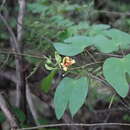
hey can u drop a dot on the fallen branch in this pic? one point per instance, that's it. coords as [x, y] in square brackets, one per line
[76, 124]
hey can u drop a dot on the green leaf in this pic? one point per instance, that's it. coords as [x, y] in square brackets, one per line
[98, 29]
[61, 97]
[101, 36]
[75, 29]
[120, 39]
[61, 21]
[49, 67]
[111, 40]
[80, 89]
[49, 60]
[58, 58]
[66, 94]
[104, 44]
[114, 70]
[46, 83]
[73, 46]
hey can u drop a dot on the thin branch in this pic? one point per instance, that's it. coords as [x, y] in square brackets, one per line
[18, 61]
[103, 81]
[21, 54]
[86, 65]
[113, 13]
[14, 45]
[112, 98]
[31, 105]
[21, 88]
[76, 124]
[110, 55]
[21, 13]
[34, 70]
[8, 113]
[91, 55]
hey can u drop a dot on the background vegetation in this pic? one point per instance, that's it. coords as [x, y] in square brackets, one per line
[30, 72]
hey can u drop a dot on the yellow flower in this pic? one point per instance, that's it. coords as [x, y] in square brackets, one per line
[67, 61]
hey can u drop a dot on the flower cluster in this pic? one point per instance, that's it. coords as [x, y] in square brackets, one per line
[67, 61]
